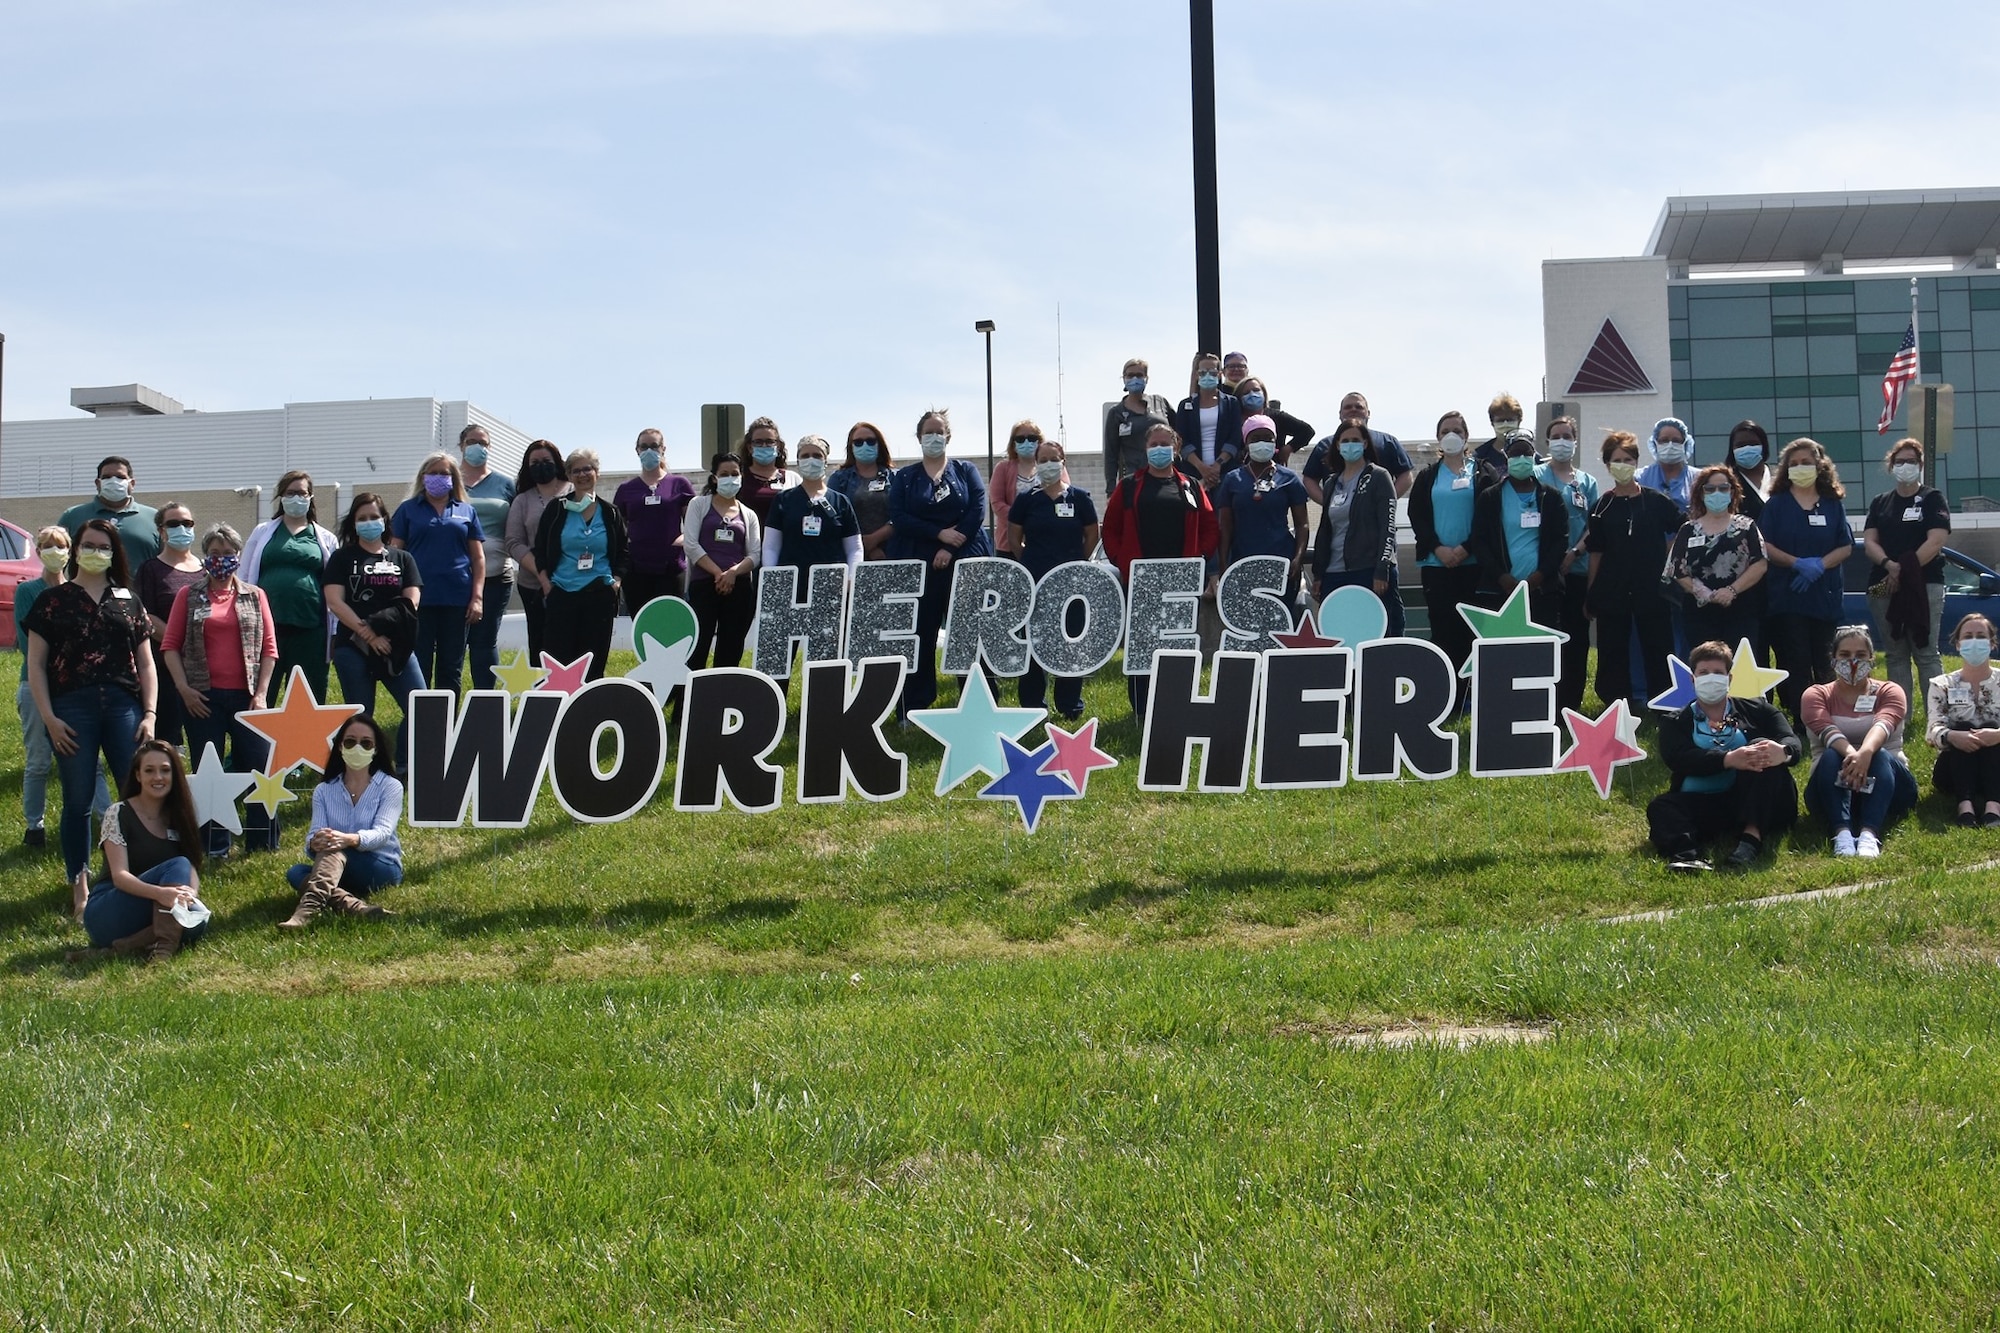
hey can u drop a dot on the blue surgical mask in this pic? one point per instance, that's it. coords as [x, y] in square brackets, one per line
[1975, 652]
[475, 455]
[1352, 450]
[933, 445]
[1253, 401]
[1025, 449]
[1263, 451]
[1208, 379]
[1748, 455]
[296, 506]
[728, 486]
[369, 529]
[1135, 384]
[1712, 688]
[180, 536]
[765, 454]
[1521, 467]
[648, 459]
[1160, 455]
[867, 453]
[1716, 501]
[576, 504]
[812, 469]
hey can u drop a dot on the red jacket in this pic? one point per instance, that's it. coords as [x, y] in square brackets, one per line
[1121, 524]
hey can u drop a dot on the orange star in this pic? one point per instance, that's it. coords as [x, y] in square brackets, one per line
[302, 730]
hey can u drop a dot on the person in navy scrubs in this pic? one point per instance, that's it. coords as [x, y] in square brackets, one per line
[1053, 524]
[937, 507]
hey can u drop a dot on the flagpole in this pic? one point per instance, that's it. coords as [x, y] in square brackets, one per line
[1916, 333]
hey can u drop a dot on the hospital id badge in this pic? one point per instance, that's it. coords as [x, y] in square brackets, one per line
[1697, 540]
[726, 535]
[1866, 703]
[1816, 520]
[1463, 483]
[1531, 518]
[1064, 509]
[1914, 514]
[586, 561]
[1959, 695]
[809, 525]
[652, 499]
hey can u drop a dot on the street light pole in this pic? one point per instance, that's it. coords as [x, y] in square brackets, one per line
[986, 327]
[1207, 227]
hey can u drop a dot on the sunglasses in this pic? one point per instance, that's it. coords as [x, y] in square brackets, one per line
[357, 743]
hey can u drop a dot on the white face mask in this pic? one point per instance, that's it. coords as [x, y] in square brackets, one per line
[934, 445]
[1712, 688]
[1669, 451]
[1263, 451]
[812, 469]
[1453, 443]
[1562, 450]
[1853, 670]
[1907, 474]
[728, 486]
[114, 490]
[1049, 471]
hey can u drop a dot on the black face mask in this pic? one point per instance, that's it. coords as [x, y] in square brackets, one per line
[542, 471]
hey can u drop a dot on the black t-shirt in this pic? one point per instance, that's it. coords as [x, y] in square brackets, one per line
[830, 518]
[1162, 511]
[1052, 529]
[370, 581]
[1899, 533]
[1631, 533]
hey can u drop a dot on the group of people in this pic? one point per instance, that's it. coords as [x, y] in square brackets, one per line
[140, 637]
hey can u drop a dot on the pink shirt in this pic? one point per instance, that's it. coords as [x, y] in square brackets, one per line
[220, 638]
[1823, 713]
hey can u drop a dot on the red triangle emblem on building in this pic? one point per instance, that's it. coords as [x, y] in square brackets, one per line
[1610, 367]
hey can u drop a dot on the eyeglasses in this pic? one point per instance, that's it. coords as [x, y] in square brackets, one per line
[583, 472]
[1715, 490]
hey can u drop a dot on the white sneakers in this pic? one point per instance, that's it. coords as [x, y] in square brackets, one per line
[1845, 843]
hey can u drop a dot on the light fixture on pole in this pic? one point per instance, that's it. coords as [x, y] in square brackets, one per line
[985, 326]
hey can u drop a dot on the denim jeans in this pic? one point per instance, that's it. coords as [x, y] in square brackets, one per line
[243, 751]
[1839, 807]
[364, 873]
[104, 719]
[112, 914]
[441, 634]
[482, 641]
[357, 686]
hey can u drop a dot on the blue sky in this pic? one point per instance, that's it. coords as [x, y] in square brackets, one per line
[593, 216]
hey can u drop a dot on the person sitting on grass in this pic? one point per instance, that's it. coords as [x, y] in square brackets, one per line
[352, 846]
[152, 859]
[1859, 783]
[1730, 760]
[1963, 708]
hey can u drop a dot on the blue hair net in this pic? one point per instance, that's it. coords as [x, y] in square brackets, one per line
[1686, 434]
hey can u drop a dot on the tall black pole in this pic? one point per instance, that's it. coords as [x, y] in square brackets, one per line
[1207, 230]
[989, 414]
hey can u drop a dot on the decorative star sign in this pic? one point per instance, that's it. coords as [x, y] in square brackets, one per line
[1028, 783]
[1599, 747]
[1749, 678]
[517, 677]
[1307, 635]
[215, 790]
[566, 677]
[1075, 755]
[1511, 621]
[972, 732]
[269, 791]
[300, 732]
[1677, 695]
[663, 633]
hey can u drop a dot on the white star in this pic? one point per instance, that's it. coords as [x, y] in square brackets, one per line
[661, 669]
[216, 790]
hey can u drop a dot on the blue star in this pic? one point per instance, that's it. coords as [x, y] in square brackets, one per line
[972, 731]
[1026, 785]
[1678, 695]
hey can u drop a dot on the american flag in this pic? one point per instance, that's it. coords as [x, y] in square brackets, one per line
[1902, 372]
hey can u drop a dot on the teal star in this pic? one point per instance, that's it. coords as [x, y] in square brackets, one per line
[1509, 622]
[971, 732]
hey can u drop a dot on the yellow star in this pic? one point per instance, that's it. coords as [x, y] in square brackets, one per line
[1749, 678]
[269, 792]
[517, 677]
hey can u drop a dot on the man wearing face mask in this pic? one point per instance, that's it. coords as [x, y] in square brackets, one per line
[138, 527]
[1127, 424]
[1904, 539]
[1731, 762]
[1504, 412]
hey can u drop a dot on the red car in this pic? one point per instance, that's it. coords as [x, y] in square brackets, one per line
[18, 564]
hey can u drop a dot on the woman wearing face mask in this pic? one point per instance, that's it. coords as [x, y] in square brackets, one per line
[724, 540]
[1859, 784]
[937, 506]
[1356, 545]
[1441, 504]
[1520, 531]
[864, 480]
[1731, 761]
[1161, 514]
[52, 546]
[1013, 477]
[1750, 460]
[1806, 536]
[373, 591]
[157, 580]
[439, 527]
[352, 849]
[1904, 538]
[654, 506]
[286, 556]
[812, 524]
[1210, 423]
[152, 864]
[1963, 709]
[1673, 460]
[1260, 508]
[220, 649]
[489, 493]
[1718, 557]
[1053, 524]
[581, 551]
[1128, 423]
[766, 474]
[1579, 492]
[1293, 435]
[1627, 539]
[540, 481]
[90, 670]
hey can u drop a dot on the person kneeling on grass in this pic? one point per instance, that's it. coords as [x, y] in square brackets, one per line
[152, 851]
[1859, 783]
[1729, 758]
[352, 845]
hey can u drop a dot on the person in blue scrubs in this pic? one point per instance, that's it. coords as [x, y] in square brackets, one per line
[1806, 539]
[1673, 461]
[1579, 492]
[1261, 506]
[1053, 524]
[1440, 508]
[1519, 532]
[440, 529]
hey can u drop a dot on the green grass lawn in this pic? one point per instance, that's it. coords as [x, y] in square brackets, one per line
[904, 1065]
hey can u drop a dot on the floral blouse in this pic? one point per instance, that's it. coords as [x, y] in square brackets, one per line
[1716, 561]
[1952, 704]
[91, 642]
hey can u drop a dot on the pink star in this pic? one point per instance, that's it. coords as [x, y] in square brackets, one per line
[565, 677]
[1076, 754]
[1600, 746]
[1307, 635]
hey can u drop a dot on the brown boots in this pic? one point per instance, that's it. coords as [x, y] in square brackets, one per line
[131, 946]
[167, 932]
[322, 893]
